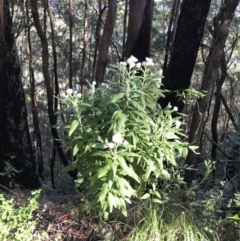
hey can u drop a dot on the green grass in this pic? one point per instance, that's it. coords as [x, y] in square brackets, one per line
[173, 223]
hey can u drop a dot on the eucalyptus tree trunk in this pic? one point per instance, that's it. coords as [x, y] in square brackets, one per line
[36, 127]
[105, 41]
[124, 29]
[15, 143]
[84, 52]
[172, 26]
[70, 82]
[139, 29]
[221, 24]
[184, 50]
[217, 105]
[55, 66]
[97, 37]
[48, 82]
[219, 83]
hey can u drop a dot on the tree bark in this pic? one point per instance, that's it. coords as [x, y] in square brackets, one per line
[15, 142]
[105, 41]
[97, 38]
[48, 84]
[139, 29]
[84, 52]
[36, 127]
[124, 30]
[70, 44]
[217, 105]
[172, 26]
[189, 32]
[221, 24]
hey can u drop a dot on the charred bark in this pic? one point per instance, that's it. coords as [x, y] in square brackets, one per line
[189, 32]
[139, 29]
[15, 143]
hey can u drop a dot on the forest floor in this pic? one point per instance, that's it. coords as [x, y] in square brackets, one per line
[59, 217]
[64, 216]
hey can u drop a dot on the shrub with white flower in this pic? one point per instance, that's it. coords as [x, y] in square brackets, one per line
[175, 108]
[124, 64]
[120, 138]
[79, 95]
[132, 62]
[117, 138]
[69, 91]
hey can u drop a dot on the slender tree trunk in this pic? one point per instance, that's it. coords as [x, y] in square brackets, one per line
[124, 29]
[70, 44]
[15, 142]
[217, 105]
[55, 64]
[189, 32]
[221, 24]
[139, 29]
[3, 78]
[218, 99]
[48, 84]
[171, 32]
[56, 85]
[36, 126]
[105, 41]
[85, 40]
[97, 38]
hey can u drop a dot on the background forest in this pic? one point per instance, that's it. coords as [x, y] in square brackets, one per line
[125, 113]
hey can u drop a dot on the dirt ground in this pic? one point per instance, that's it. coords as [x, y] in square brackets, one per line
[63, 217]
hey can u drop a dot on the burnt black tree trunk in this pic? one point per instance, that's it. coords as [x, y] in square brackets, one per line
[190, 27]
[15, 143]
[139, 29]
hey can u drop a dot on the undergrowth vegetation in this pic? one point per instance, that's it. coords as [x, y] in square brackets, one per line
[123, 143]
[129, 155]
[17, 222]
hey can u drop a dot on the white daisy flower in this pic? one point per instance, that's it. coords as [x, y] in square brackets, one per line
[124, 64]
[110, 145]
[117, 138]
[132, 59]
[175, 108]
[69, 91]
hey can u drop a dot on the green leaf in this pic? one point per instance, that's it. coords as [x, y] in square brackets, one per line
[112, 174]
[99, 145]
[73, 127]
[68, 168]
[129, 154]
[171, 135]
[75, 150]
[235, 217]
[103, 171]
[129, 170]
[111, 201]
[137, 106]
[121, 122]
[150, 168]
[145, 196]
[102, 154]
[103, 193]
[155, 200]
[193, 148]
[116, 97]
